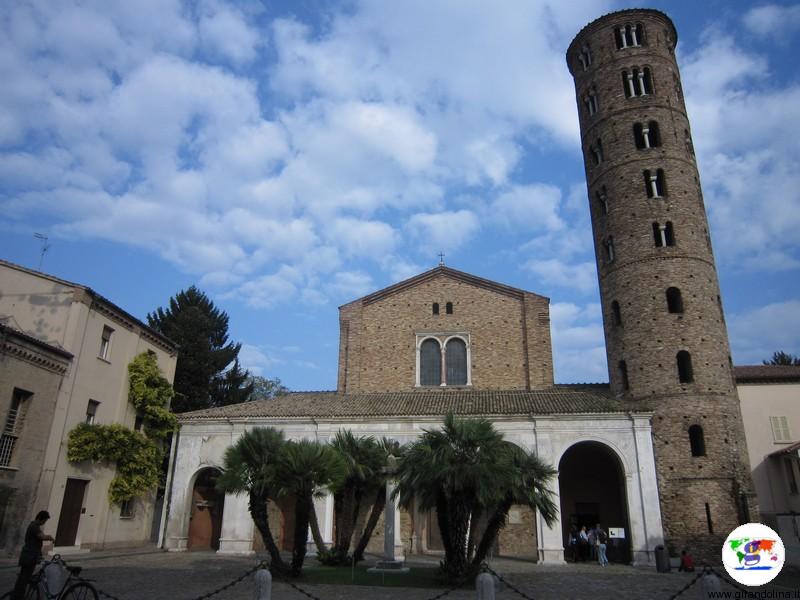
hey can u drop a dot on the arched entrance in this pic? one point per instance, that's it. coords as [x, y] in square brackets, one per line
[205, 520]
[591, 482]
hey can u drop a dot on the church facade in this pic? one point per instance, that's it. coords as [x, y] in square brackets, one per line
[658, 455]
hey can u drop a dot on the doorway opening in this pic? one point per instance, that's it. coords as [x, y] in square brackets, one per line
[205, 520]
[71, 509]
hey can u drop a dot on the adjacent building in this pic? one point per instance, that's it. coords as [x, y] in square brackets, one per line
[85, 343]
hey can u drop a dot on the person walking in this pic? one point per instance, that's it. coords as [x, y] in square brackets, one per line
[602, 541]
[31, 553]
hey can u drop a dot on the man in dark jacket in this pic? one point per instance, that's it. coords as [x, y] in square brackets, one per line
[31, 553]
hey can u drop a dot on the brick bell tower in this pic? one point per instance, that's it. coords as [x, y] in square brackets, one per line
[666, 339]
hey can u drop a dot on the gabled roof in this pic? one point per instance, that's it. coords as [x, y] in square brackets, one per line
[102, 301]
[445, 271]
[767, 373]
[556, 400]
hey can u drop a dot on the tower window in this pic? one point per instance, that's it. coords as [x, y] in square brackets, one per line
[674, 300]
[616, 315]
[590, 101]
[448, 308]
[623, 375]
[663, 234]
[436, 308]
[91, 411]
[596, 152]
[654, 183]
[609, 245]
[456, 360]
[685, 372]
[602, 199]
[15, 419]
[105, 343]
[585, 57]
[646, 135]
[697, 441]
[629, 36]
[637, 82]
[430, 363]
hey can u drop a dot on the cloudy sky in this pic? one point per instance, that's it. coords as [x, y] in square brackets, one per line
[288, 157]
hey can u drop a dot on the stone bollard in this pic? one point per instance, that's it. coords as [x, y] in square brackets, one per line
[484, 586]
[263, 589]
[711, 583]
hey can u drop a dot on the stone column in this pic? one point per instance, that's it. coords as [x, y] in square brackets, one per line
[237, 526]
[392, 543]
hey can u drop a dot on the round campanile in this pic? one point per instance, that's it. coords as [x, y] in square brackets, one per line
[666, 339]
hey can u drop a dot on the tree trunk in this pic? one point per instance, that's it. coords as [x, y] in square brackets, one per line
[474, 519]
[315, 532]
[496, 522]
[258, 511]
[301, 511]
[443, 520]
[369, 528]
[456, 565]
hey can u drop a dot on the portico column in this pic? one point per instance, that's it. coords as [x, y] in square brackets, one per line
[237, 526]
[392, 542]
[551, 544]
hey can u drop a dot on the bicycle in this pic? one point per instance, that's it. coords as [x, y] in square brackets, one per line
[65, 580]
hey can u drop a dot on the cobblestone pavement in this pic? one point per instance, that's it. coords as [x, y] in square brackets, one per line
[183, 576]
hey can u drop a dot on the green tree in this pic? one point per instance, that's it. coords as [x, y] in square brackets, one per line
[264, 388]
[364, 461]
[304, 469]
[464, 469]
[250, 467]
[201, 331]
[782, 358]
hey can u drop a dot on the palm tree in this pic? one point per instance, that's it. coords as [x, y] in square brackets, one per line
[304, 468]
[464, 470]
[364, 462]
[250, 467]
[528, 486]
[387, 447]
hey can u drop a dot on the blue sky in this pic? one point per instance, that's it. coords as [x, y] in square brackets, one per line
[288, 157]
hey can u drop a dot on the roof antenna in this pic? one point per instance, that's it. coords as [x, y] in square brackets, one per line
[45, 247]
[441, 259]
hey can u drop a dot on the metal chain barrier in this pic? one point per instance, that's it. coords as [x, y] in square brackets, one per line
[688, 585]
[107, 595]
[485, 567]
[730, 581]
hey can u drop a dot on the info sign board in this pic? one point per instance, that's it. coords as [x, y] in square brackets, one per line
[617, 533]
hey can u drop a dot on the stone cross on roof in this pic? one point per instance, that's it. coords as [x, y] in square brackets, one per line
[441, 259]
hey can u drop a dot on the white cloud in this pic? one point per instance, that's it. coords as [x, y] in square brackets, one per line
[258, 359]
[532, 207]
[772, 20]
[445, 230]
[757, 333]
[349, 285]
[226, 33]
[578, 343]
[553, 271]
[365, 239]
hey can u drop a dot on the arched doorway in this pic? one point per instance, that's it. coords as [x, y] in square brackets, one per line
[205, 520]
[591, 482]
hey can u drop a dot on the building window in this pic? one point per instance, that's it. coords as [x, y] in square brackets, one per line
[646, 135]
[105, 343]
[91, 411]
[780, 430]
[685, 372]
[629, 36]
[448, 308]
[430, 363]
[654, 183]
[436, 308]
[674, 300]
[697, 441]
[623, 375]
[456, 361]
[590, 102]
[791, 476]
[637, 82]
[602, 199]
[15, 420]
[596, 152]
[609, 246]
[126, 509]
[663, 235]
[138, 422]
[585, 57]
[616, 314]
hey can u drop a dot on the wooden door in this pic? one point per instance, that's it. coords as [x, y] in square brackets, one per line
[70, 516]
[205, 519]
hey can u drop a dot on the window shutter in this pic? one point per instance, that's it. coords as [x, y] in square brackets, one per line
[780, 429]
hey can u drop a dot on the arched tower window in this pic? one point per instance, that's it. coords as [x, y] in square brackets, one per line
[596, 152]
[609, 245]
[436, 308]
[590, 101]
[697, 441]
[629, 35]
[688, 141]
[585, 57]
[623, 375]
[637, 82]
[663, 235]
[674, 300]
[456, 361]
[430, 363]
[685, 372]
[654, 182]
[448, 308]
[602, 199]
[616, 314]
[646, 135]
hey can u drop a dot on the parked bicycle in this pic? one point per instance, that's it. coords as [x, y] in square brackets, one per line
[56, 580]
